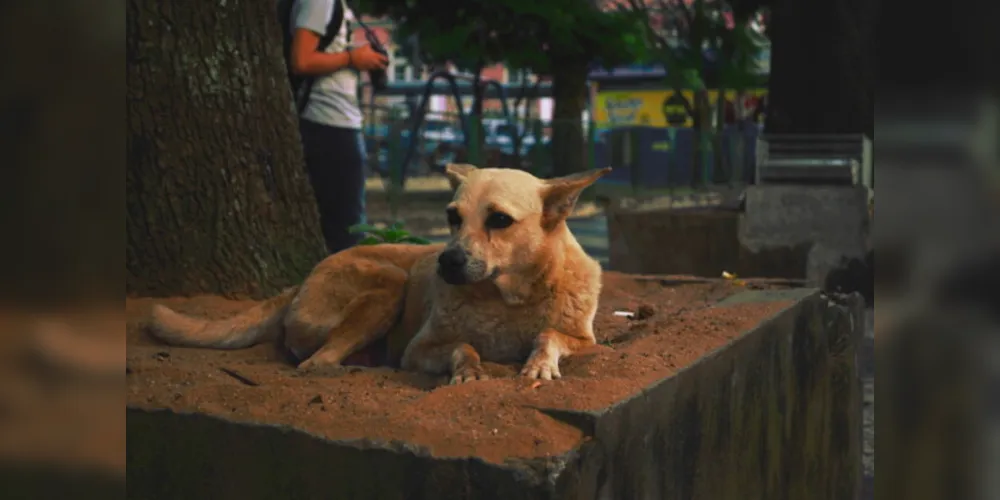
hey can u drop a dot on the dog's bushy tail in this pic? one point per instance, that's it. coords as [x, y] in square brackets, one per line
[259, 323]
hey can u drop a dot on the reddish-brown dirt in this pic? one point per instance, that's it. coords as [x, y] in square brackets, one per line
[493, 419]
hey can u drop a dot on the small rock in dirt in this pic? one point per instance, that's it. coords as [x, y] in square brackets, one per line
[354, 369]
[162, 355]
[644, 311]
[317, 399]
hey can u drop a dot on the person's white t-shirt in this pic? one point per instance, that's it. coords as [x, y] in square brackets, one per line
[334, 97]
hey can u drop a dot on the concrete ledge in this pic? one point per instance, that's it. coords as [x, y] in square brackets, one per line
[775, 413]
[796, 232]
[702, 242]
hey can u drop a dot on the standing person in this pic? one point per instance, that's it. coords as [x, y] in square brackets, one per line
[320, 56]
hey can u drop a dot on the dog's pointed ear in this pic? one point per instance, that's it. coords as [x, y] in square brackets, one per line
[457, 172]
[560, 194]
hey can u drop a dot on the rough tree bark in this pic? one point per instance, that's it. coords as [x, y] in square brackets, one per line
[569, 91]
[822, 76]
[217, 198]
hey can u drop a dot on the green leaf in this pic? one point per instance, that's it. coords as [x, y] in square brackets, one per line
[370, 240]
[692, 79]
[362, 228]
[415, 240]
[394, 235]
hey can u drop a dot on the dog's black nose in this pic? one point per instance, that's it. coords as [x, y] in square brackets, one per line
[452, 259]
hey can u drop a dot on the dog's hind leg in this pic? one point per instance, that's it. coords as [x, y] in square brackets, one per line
[366, 318]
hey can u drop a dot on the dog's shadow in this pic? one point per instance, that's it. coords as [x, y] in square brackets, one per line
[386, 376]
[393, 376]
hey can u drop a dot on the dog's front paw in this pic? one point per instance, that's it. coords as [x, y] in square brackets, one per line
[468, 374]
[317, 364]
[307, 366]
[541, 366]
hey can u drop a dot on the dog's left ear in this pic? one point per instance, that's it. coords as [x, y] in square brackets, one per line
[560, 194]
[457, 172]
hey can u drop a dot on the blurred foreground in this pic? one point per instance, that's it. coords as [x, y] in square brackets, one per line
[61, 402]
[937, 334]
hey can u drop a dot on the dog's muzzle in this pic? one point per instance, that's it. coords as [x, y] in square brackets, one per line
[451, 266]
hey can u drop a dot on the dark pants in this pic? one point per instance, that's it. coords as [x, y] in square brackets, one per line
[335, 159]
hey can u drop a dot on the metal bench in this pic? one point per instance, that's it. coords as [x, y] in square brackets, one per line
[825, 159]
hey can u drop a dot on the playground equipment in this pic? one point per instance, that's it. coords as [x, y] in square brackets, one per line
[401, 151]
[470, 134]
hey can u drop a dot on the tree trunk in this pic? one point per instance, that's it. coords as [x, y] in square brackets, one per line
[821, 73]
[569, 91]
[217, 198]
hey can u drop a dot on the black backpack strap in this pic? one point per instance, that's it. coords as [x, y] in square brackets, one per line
[332, 29]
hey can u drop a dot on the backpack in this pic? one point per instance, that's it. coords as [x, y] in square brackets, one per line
[302, 85]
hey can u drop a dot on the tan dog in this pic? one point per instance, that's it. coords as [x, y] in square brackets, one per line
[513, 283]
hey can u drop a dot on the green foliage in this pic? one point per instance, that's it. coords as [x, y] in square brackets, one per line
[524, 34]
[677, 34]
[392, 234]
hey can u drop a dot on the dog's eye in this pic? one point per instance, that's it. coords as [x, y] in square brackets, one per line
[454, 220]
[498, 220]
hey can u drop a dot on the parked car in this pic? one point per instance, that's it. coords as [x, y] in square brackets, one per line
[441, 131]
[500, 134]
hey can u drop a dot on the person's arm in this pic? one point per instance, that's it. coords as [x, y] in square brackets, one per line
[310, 22]
[306, 60]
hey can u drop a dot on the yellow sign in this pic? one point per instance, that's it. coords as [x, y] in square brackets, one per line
[633, 108]
[655, 108]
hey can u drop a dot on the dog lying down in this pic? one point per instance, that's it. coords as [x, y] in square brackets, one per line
[512, 284]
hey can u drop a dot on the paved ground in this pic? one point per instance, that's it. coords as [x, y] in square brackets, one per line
[426, 195]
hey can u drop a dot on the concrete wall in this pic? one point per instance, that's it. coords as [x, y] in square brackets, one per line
[777, 414]
[798, 232]
[700, 242]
